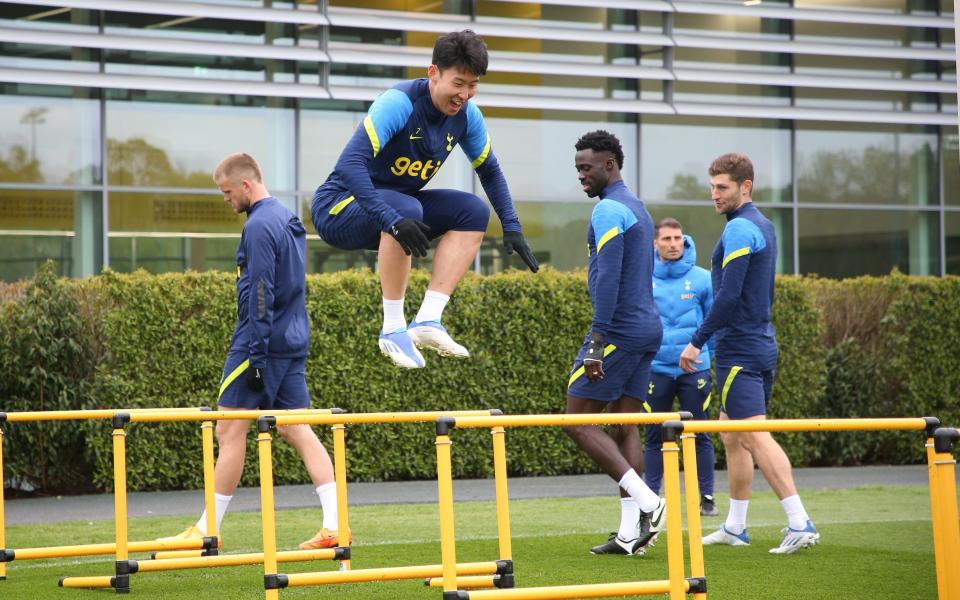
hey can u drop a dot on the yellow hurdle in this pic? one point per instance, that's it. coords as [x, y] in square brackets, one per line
[692, 493]
[384, 574]
[230, 560]
[467, 582]
[3, 526]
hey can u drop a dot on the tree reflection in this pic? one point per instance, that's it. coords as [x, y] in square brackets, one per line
[18, 167]
[136, 162]
[868, 176]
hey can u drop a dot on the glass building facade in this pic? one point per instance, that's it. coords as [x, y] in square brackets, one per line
[113, 114]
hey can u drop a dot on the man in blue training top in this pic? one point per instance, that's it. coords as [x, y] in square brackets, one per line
[613, 365]
[683, 294]
[374, 197]
[265, 367]
[745, 344]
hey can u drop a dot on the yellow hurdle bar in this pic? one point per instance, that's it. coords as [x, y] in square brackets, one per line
[467, 582]
[944, 488]
[671, 491]
[103, 581]
[81, 415]
[267, 514]
[230, 560]
[387, 573]
[775, 425]
[122, 581]
[223, 415]
[692, 493]
[209, 489]
[503, 499]
[101, 549]
[448, 539]
[291, 418]
[554, 420]
[3, 523]
[589, 590]
[935, 518]
[177, 554]
[340, 482]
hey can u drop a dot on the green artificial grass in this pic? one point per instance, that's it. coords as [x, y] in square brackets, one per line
[876, 544]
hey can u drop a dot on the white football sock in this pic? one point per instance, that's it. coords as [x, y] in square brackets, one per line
[796, 515]
[220, 503]
[737, 516]
[633, 484]
[328, 503]
[629, 520]
[432, 307]
[393, 318]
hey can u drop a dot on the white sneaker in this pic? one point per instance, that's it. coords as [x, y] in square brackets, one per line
[797, 539]
[398, 346]
[433, 335]
[722, 536]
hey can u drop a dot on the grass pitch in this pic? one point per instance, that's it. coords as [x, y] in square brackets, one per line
[876, 544]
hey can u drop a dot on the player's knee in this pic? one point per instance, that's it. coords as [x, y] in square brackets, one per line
[576, 432]
[231, 433]
[409, 208]
[623, 433]
[292, 434]
[476, 216]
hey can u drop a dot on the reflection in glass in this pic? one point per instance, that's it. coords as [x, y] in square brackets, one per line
[952, 235]
[951, 166]
[705, 226]
[676, 154]
[49, 140]
[866, 165]
[64, 226]
[178, 145]
[848, 243]
[173, 213]
[537, 156]
[166, 253]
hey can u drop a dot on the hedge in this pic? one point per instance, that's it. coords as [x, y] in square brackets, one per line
[862, 347]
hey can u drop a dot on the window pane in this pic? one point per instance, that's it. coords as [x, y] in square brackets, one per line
[848, 243]
[178, 145]
[49, 140]
[64, 226]
[866, 165]
[163, 253]
[706, 226]
[953, 242]
[537, 156]
[676, 155]
[951, 166]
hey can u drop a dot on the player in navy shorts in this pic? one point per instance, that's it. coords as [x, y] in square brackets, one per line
[613, 365]
[374, 198]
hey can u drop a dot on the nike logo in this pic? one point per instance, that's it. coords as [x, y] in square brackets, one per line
[416, 137]
[655, 524]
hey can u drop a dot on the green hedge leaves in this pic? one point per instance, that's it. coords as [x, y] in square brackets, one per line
[861, 347]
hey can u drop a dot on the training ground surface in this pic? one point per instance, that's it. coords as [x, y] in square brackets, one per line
[876, 540]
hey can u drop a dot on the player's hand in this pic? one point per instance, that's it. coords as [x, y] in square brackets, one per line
[593, 359]
[514, 241]
[688, 359]
[255, 379]
[411, 234]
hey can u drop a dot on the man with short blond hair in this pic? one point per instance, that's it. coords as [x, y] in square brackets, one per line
[266, 365]
[745, 346]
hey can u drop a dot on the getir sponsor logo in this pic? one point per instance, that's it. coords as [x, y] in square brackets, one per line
[415, 168]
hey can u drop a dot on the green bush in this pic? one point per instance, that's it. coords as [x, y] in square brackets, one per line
[863, 347]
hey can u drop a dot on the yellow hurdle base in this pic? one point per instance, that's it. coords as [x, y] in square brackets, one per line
[473, 581]
[87, 582]
[234, 560]
[595, 590]
[389, 573]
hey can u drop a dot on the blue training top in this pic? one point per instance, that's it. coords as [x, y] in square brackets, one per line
[684, 296]
[401, 145]
[744, 264]
[271, 285]
[620, 248]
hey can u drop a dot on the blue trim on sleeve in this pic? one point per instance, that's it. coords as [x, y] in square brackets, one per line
[608, 214]
[389, 113]
[742, 233]
[475, 140]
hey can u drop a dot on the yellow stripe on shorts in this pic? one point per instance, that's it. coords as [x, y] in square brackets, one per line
[233, 375]
[726, 386]
[576, 374]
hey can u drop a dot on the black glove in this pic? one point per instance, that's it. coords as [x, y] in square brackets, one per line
[594, 349]
[412, 236]
[255, 379]
[513, 241]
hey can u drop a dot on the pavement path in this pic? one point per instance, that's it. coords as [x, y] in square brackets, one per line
[100, 507]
